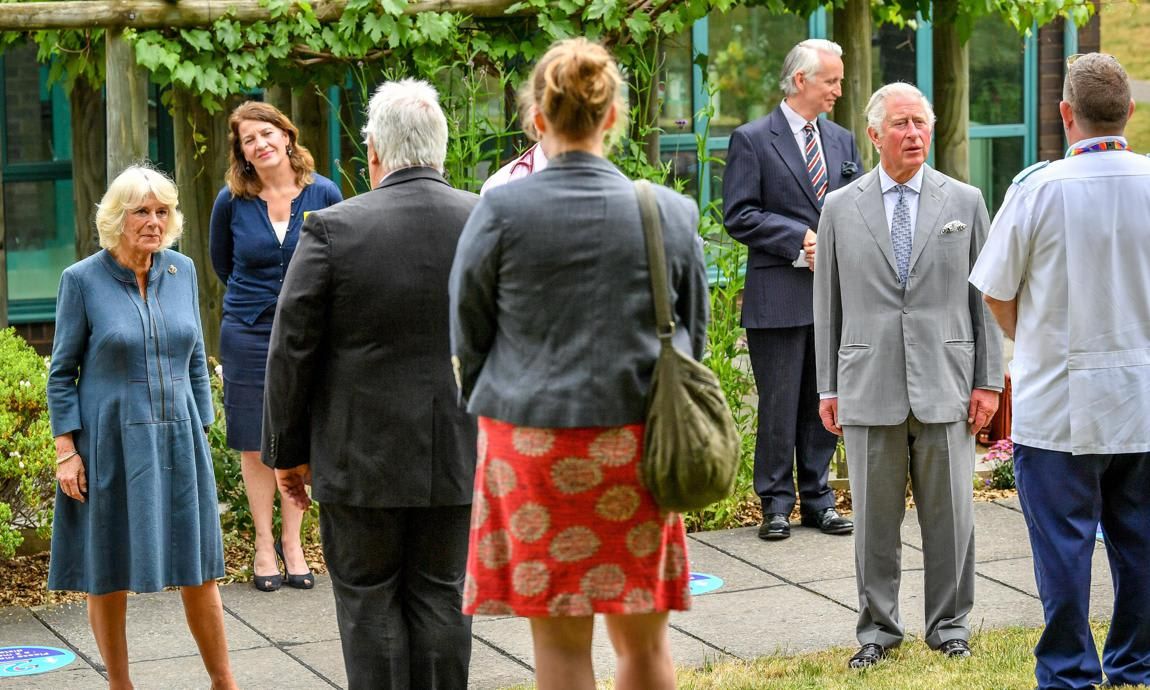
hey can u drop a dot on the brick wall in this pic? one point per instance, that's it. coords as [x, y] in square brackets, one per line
[1051, 62]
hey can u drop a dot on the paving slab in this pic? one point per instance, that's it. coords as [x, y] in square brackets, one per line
[999, 533]
[156, 625]
[266, 667]
[808, 554]
[736, 575]
[773, 620]
[512, 637]
[995, 605]
[491, 669]
[19, 628]
[287, 616]
[324, 659]
[1019, 574]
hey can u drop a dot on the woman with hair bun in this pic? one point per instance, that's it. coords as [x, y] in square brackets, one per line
[553, 336]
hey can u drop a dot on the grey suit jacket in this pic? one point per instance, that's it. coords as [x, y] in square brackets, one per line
[551, 314]
[359, 379]
[888, 351]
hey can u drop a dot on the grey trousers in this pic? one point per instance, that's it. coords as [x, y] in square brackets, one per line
[939, 461]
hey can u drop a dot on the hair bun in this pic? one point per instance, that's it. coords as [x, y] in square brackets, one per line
[574, 86]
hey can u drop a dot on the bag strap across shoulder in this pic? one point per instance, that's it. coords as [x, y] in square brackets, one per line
[656, 260]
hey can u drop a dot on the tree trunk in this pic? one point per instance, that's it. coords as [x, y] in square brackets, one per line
[280, 97]
[853, 28]
[127, 110]
[309, 113]
[199, 175]
[89, 167]
[951, 94]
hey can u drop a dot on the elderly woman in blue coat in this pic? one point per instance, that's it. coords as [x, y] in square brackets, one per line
[129, 400]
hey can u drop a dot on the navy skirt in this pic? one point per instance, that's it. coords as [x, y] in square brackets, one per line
[244, 352]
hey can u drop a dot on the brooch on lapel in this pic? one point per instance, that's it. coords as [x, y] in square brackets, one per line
[954, 226]
[849, 169]
[172, 269]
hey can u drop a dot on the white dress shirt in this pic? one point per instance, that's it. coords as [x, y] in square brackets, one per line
[890, 195]
[797, 123]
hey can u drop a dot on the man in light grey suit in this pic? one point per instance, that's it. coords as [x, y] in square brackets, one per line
[909, 368]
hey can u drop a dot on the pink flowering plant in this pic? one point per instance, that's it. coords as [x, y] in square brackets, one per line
[1000, 456]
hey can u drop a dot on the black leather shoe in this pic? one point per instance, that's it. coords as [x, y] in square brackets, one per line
[955, 649]
[828, 521]
[305, 581]
[868, 655]
[775, 526]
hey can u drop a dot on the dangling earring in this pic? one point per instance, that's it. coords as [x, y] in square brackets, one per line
[289, 150]
[248, 167]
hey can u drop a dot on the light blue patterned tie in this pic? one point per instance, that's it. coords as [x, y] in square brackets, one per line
[901, 232]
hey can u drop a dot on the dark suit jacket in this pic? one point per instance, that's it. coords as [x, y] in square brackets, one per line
[768, 205]
[359, 380]
[552, 319]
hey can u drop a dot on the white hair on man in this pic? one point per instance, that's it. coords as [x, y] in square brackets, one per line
[804, 57]
[876, 106]
[405, 125]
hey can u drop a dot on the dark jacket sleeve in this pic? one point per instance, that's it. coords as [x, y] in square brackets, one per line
[220, 239]
[693, 302]
[296, 344]
[473, 286]
[744, 210]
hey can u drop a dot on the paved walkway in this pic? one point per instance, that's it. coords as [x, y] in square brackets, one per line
[783, 597]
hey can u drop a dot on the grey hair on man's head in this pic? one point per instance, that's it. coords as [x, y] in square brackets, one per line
[405, 125]
[804, 57]
[876, 107]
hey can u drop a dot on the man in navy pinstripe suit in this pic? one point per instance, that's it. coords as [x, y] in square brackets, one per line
[779, 169]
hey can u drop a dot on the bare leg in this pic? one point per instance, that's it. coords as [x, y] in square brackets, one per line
[107, 614]
[563, 653]
[642, 650]
[292, 518]
[260, 484]
[205, 613]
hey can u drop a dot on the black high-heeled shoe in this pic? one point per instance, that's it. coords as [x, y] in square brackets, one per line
[305, 581]
[266, 583]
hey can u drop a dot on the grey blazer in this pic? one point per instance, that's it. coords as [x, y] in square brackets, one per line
[359, 380]
[552, 323]
[888, 351]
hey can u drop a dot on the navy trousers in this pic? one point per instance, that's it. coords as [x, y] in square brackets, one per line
[1064, 497]
[790, 433]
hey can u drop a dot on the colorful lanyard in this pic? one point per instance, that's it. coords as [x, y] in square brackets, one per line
[1107, 145]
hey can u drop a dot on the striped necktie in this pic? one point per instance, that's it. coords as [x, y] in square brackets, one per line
[816, 167]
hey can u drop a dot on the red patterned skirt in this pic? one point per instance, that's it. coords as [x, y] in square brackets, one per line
[562, 526]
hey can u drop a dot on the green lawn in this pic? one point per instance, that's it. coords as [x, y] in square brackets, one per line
[1002, 661]
[1125, 28]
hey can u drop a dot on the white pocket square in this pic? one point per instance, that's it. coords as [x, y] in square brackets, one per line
[954, 226]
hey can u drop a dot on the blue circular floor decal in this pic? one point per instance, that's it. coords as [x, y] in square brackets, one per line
[701, 583]
[25, 661]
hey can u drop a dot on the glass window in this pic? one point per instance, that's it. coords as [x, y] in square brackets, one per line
[38, 219]
[684, 170]
[993, 164]
[997, 73]
[28, 110]
[747, 48]
[893, 55]
[675, 85]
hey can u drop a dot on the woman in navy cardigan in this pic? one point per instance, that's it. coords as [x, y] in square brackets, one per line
[271, 186]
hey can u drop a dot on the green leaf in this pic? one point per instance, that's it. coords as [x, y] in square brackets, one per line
[395, 7]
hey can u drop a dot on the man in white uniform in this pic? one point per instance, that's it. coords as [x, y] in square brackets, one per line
[1066, 272]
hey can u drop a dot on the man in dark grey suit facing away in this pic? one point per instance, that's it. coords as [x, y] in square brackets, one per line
[779, 169]
[361, 402]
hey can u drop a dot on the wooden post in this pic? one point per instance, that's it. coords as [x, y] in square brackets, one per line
[89, 161]
[199, 176]
[280, 97]
[853, 28]
[951, 93]
[127, 88]
[309, 113]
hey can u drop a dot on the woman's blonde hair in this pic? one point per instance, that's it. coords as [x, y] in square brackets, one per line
[574, 86]
[242, 179]
[128, 192]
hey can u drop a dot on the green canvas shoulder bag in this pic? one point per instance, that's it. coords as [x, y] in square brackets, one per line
[690, 446]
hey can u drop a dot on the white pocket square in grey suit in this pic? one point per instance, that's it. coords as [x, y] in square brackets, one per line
[954, 226]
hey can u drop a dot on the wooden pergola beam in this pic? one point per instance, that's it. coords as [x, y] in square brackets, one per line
[155, 14]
